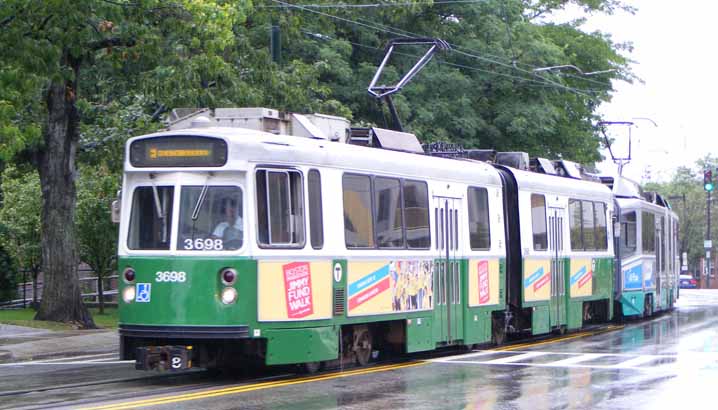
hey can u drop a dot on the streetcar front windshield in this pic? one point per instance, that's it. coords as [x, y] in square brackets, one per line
[211, 218]
[151, 218]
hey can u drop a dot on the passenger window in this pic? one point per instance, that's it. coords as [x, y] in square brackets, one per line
[316, 224]
[601, 228]
[538, 222]
[416, 214]
[589, 239]
[648, 232]
[280, 211]
[628, 234]
[388, 213]
[479, 233]
[358, 228]
[575, 223]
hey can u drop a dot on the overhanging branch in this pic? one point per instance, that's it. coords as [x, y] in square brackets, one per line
[111, 42]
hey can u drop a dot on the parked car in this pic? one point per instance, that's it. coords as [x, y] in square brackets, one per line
[687, 282]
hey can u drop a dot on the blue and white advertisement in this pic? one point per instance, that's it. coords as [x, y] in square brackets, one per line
[649, 279]
[633, 277]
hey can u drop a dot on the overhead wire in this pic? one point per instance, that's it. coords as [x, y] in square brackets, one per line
[438, 60]
[404, 33]
[455, 48]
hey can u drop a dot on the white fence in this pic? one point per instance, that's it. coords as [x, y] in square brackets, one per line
[88, 287]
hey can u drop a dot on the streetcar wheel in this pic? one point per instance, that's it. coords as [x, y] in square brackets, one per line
[362, 346]
[311, 367]
[498, 331]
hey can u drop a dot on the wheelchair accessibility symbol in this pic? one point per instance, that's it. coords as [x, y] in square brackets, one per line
[143, 292]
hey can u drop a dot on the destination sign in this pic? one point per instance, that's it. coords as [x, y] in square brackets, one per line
[178, 151]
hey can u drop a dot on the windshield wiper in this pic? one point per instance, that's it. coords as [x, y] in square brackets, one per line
[158, 204]
[200, 200]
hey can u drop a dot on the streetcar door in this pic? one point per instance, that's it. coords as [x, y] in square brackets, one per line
[659, 270]
[557, 304]
[447, 283]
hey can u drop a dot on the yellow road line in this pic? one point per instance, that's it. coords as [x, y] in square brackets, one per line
[248, 388]
[561, 339]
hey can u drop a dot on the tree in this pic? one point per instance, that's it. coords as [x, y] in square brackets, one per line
[8, 276]
[57, 45]
[20, 215]
[483, 92]
[688, 184]
[96, 232]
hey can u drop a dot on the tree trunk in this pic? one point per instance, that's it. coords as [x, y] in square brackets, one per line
[35, 274]
[100, 295]
[61, 301]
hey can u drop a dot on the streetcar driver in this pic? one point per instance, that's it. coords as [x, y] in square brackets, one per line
[230, 229]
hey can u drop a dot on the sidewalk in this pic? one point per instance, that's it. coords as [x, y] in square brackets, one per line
[19, 343]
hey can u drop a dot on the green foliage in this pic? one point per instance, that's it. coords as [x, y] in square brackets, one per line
[483, 93]
[692, 211]
[96, 233]
[8, 276]
[20, 215]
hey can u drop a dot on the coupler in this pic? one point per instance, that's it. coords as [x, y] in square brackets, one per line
[163, 358]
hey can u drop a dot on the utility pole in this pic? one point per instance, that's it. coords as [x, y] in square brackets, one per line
[708, 186]
[708, 239]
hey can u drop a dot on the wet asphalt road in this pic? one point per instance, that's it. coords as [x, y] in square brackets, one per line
[665, 363]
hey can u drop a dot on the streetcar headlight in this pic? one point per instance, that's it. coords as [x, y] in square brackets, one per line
[229, 296]
[228, 276]
[128, 294]
[129, 275]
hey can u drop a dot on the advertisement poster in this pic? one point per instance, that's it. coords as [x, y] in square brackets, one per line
[389, 287]
[633, 278]
[537, 280]
[483, 269]
[581, 279]
[298, 289]
[294, 290]
[484, 283]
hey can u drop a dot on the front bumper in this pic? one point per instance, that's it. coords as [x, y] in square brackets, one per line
[184, 332]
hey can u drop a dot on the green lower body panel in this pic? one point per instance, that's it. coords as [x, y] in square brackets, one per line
[632, 303]
[419, 336]
[287, 346]
[478, 326]
[540, 323]
[575, 314]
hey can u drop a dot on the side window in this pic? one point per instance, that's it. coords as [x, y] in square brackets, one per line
[628, 234]
[358, 228]
[316, 224]
[416, 214]
[280, 209]
[388, 221]
[601, 228]
[575, 218]
[648, 232]
[589, 239]
[479, 235]
[538, 222]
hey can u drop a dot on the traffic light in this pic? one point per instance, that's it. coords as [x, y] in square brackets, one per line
[708, 180]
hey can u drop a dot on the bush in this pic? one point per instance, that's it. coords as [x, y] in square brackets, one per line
[8, 276]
